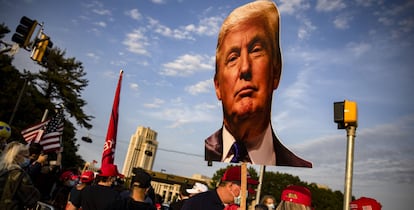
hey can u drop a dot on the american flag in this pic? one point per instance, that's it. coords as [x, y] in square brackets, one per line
[47, 133]
[34, 133]
[54, 129]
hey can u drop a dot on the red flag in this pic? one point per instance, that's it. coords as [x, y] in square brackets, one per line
[110, 141]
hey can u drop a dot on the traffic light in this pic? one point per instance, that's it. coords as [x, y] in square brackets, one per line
[24, 31]
[42, 49]
[345, 114]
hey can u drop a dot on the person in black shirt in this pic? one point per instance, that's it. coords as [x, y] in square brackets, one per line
[100, 196]
[140, 183]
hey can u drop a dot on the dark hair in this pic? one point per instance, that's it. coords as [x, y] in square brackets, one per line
[35, 148]
[183, 189]
[260, 207]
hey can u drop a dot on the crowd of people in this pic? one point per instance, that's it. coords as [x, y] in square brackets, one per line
[29, 181]
[105, 189]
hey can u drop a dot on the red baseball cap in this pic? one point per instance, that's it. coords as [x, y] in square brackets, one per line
[233, 173]
[297, 194]
[87, 176]
[110, 170]
[68, 175]
[365, 203]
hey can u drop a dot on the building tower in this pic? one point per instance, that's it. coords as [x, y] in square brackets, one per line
[141, 151]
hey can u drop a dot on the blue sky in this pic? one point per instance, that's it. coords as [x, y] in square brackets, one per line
[359, 50]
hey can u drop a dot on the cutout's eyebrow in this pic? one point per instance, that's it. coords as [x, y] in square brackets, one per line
[257, 39]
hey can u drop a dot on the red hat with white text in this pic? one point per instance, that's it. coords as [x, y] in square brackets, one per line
[297, 194]
[364, 203]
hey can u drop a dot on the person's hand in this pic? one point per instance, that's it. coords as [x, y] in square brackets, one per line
[42, 158]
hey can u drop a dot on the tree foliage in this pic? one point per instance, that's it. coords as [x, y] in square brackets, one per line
[58, 83]
[62, 82]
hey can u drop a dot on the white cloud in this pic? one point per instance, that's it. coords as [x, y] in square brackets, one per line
[205, 86]
[188, 64]
[102, 11]
[110, 74]
[386, 21]
[291, 6]
[168, 32]
[330, 5]
[298, 92]
[134, 14]
[404, 26]
[92, 56]
[342, 21]
[358, 49]
[305, 29]
[155, 104]
[134, 86]
[98, 8]
[207, 26]
[158, 1]
[365, 3]
[136, 42]
[101, 24]
[398, 18]
[178, 113]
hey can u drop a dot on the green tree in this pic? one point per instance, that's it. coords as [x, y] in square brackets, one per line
[3, 30]
[62, 82]
[59, 83]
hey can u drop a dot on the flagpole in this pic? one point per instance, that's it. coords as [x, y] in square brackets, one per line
[41, 131]
[108, 153]
[45, 115]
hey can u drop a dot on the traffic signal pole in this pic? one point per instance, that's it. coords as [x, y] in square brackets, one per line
[350, 130]
[346, 116]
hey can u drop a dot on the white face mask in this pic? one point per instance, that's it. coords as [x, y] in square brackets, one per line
[237, 200]
[271, 206]
[71, 183]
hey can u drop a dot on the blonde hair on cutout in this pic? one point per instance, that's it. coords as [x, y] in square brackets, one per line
[263, 10]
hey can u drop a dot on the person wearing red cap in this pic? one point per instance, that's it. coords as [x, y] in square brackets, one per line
[295, 197]
[67, 181]
[101, 195]
[86, 179]
[227, 192]
[364, 203]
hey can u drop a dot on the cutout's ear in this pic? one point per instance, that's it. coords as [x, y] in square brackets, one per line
[217, 88]
[276, 75]
[276, 83]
